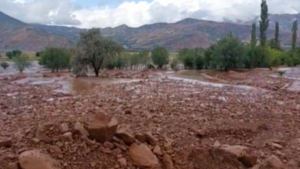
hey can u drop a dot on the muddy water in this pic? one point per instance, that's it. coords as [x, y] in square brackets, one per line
[292, 74]
[202, 77]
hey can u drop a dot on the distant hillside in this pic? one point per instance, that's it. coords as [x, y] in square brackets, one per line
[15, 34]
[188, 33]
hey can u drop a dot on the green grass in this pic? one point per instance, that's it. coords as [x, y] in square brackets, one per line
[31, 56]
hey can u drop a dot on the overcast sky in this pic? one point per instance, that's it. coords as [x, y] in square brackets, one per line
[111, 13]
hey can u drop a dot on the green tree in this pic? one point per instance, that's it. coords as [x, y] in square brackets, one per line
[92, 49]
[55, 59]
[229, 53]
[276, 39]
[9, 55]
[13, 53]
[253, 41]
[21, 62]
[144, 56]
[4, 65]
[264, 23]
[187, 57]
[294, 36]
[160, 56]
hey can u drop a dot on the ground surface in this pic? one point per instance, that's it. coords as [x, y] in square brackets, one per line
[264, 115]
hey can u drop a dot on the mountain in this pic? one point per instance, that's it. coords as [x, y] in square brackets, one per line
[15, 34]
[187, 33]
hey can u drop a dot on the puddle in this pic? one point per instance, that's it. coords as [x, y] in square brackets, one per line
[200, 77]
[86, 85]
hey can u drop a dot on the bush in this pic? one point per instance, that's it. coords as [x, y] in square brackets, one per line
[150, 66]
[21, 62]
[281, 73]
[174, 64]
[55, 59]
[4, 65]
[160, 56]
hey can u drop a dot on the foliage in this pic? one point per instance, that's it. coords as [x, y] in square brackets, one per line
[294, 36]
[281, 73]
[174, 64]
[38, 54]
[150, 66]
[4, 65]
[55, 59]
[263, 23]
[21, 62]
[229, 53]
[253, 36]
[93, 49]
[276, 39]
[13, 53]
[192, 58]
[160, 56]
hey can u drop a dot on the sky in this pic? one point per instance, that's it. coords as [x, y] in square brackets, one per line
[134, 13]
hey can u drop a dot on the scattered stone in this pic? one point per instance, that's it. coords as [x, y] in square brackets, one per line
[108, 145]
[6, 143]
[150, 139]
[238, 151]
[126, 135]
[217, 144]
[102, 128]
[122, 147]
[122, 162]
[67, 136]
[64, 127]
[249, 160]
[277, 146]
[167, 161]
[117, 151]
[41, 136]
[128, 112]
[80, 128]
[34, 159]
[272, 162]
[142, 156]
[140, 137]
[157, 150]
[93, 164]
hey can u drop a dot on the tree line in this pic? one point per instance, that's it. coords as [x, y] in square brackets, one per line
[95, 52]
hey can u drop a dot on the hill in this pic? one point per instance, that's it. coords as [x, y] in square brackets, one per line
[15, 34]
[187, 33]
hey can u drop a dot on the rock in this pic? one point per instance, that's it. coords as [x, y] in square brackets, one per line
[80, 128]
[150, 139]
[64, 127]
[238, 151]
[277, 146]
[108, 145]
[122, 147]
[142, 156]
[5, 143]
[14, 165]
[93, 164]
[167, 161]
[292, 164]
[102, 128]
[34, 159]
[67, 136]
[117, 151]
[140, 137]
[41, 136]
[157, 150]
[272, 162]
[217, 144]
[125, 135]
[122, 162]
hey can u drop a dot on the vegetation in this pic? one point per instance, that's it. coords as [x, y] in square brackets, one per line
[160, 56]
[264, 23]
[281, 73]
[253, 41]
[55, 59]
[4, 65]
[38, 54]
[13, 53]
[192, 58]
[294, 35]
[92, 50]
[21, 62]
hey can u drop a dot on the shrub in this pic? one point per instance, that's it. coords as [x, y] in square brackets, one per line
[4, 65]
[160, 56]
[21, 62]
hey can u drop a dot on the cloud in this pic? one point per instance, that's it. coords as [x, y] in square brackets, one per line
[137, 13]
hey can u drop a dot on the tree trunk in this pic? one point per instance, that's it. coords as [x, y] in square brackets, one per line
[96, 72]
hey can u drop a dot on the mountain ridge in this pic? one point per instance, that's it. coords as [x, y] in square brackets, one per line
[186, 33]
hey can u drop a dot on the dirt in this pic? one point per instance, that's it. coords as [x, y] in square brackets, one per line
[186, 119]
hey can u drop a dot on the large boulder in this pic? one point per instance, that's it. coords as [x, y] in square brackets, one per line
[34, 159]
[102, 128]
[142, 156]
[242, 153]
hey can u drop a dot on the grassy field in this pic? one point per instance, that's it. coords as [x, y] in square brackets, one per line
[30, 54]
